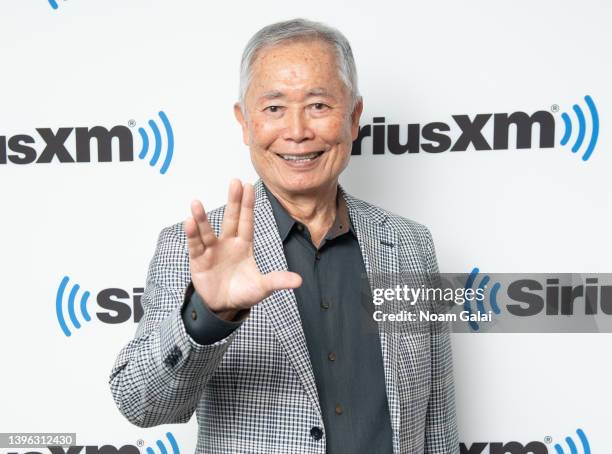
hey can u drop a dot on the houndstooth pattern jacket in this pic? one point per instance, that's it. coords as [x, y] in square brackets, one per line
[254, 391]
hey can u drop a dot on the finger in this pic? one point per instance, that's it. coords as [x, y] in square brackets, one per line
[232, 209]
[194, 242]
[245, 224]
[207, 236]
[279, 280]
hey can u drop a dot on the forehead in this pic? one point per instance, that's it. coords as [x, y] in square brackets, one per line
[294, 66]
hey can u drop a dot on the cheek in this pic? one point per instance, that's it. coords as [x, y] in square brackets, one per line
[336, 130]
[338, 135]
[262, 134]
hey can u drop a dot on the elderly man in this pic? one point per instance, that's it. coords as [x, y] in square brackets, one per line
[252, 313]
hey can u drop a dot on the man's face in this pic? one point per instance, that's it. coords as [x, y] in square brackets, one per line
[298, 124]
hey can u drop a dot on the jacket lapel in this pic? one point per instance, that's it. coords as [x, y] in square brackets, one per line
[379, 246]
[281, 306]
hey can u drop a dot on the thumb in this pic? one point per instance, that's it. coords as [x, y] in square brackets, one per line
[280, 280]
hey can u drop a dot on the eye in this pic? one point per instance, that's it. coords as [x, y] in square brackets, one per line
[273, 109]
[319, 107]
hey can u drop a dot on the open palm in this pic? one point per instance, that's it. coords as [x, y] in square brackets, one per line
[223, 270]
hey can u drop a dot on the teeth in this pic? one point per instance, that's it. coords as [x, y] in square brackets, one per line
[304, 157]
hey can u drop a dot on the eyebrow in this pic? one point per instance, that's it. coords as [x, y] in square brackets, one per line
[275, 94]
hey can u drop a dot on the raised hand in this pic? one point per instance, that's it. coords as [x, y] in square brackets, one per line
[223, 269]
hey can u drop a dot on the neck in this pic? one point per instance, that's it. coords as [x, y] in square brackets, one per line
[316, 210]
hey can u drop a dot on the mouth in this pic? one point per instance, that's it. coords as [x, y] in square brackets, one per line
[302, 157]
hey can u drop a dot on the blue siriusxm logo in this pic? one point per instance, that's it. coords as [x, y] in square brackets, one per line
[71, 305]
[53, 4]
[161, 446]
[532, 447]
[94, 144]
[582, 127]
[485, 132]
[571, 445]
[482, 286]
[113, 306]
[157, 149]
[543, 297]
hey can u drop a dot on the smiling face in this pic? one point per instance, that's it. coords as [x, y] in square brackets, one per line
[298, 124]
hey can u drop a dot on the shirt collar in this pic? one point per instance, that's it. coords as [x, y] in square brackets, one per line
[342, 223]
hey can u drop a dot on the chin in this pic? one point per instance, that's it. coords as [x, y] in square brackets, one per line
[304, 186]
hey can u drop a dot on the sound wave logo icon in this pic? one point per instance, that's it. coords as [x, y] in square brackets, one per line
[54, 4]
[586, 449]
[161, 446]
[157, 149]
[469, 284]
[581, 133]
[71, 306]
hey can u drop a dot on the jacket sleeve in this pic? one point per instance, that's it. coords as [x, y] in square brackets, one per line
[441, 435]
[159, 376]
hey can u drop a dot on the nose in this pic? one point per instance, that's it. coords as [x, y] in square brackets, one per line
[297, 127]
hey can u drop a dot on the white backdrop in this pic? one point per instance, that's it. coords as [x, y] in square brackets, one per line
[107, 63]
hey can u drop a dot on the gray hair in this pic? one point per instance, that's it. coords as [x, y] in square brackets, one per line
[297, 30]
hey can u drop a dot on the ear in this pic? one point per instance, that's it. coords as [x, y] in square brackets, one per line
[243, 122]
[355, 116]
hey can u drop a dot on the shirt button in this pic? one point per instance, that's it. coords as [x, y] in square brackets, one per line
[324, 304]
[194, 315]
[316, 433]
[300, 227]
[331, 356]
[317, 255]
[339, 409]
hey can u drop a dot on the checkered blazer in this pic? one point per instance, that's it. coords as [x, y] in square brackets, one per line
[254, 391]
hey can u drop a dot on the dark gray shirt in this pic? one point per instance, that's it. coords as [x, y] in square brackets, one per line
[335, 307]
